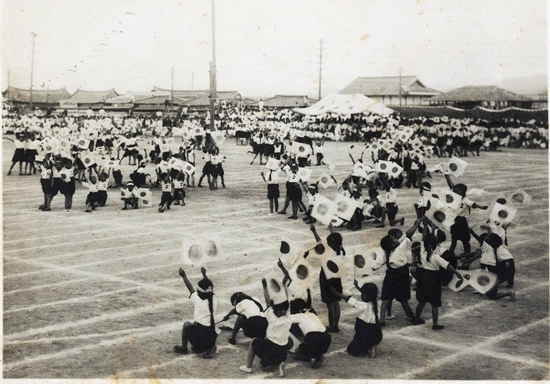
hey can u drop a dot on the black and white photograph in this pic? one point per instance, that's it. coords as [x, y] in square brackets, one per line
[278, 190]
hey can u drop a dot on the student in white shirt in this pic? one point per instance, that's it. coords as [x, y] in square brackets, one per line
[273, 193]
[495, 258]
[391, 203]
[189, 154]
[102, 186]
[92, 197]
[179, 193]
[316, 340]
[460, 231]
[129, 196]
[201, 334]
[368, 331]
[396, 283]
[250, 317]
[273, 348]
[19, 153]
[428, 289]
[46, 182]
[69, 184]
[166, 197]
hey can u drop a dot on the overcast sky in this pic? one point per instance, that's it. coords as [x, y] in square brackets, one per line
[265, 48]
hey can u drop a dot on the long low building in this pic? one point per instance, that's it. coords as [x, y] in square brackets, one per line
[392, 90]
[489, 96]
[83, 99]
[43, 99]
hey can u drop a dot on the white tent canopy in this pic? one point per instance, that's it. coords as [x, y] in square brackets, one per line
[346, 104]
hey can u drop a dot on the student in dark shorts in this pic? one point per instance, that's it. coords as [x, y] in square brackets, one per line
[330, 281]
[250, 317]
[460, 231]
[368, 332]
[273, 193]
[316, 340]
[272, 350]
[428, 288]
[201, 334]
[396, 283]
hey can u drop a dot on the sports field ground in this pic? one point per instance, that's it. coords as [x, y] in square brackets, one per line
[97, 295]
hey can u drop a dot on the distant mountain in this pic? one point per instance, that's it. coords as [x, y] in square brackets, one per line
[526, 85]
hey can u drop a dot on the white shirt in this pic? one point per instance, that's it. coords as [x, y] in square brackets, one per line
[488, 254]
[102, 185]
[391, 196]
[166, 187]
[248, 308]
[45, 173]
[163, 167]
[498, 230]
[201, 313]
[436, 261]
[398, 258]
[130, 194]
[278, 328]
[367, 310]
[274, 175]
[92, 188]
[464, 207]
[308, 322]
[178, 184]
[19, 144]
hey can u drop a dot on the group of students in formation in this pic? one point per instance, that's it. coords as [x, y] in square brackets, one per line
[63, 162]
[373, 191]
[286, 314]
[285, 320]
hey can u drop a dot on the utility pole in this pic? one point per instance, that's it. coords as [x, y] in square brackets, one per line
[192, 79]
[8, 85]
[400, 86]
[213, 93]
[32, 65]
[320, 66]
[172, 93]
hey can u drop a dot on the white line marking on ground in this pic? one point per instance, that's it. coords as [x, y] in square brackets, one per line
[475, 349]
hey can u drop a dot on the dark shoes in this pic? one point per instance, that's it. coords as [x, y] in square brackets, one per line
[210, 353]
[299, 357]
[181, 350]
[318, 361]
[417, 321]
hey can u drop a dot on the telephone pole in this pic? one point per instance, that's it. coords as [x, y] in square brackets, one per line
[32, 65]
[320, 66]
[192, 79]
[213, 93]
[400, 86]
[172, 93]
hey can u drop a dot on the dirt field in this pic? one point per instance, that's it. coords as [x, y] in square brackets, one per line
[98, 295]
